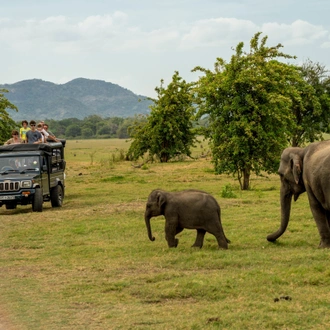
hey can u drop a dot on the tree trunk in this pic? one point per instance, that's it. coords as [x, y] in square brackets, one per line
[246, 179]
[164, 158]
[294, 142]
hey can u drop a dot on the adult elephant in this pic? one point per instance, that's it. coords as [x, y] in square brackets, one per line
[191, 209]
[306, 169]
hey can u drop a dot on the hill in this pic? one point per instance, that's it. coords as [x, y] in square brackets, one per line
[79, 98]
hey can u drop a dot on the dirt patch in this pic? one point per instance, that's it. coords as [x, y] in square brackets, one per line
[5, 323]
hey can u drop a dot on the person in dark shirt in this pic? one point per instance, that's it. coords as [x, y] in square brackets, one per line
[33, 135]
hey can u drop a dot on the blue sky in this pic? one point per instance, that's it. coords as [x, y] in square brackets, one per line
[135, 44]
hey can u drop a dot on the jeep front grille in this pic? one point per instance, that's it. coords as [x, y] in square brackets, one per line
[9, 186]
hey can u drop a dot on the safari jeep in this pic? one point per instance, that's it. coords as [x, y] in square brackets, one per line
[32, 174]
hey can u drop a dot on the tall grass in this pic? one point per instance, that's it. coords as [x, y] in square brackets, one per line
[90, 265]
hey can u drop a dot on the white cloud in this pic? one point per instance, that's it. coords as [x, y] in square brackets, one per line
[113, 33]
[297, 33]
[326, 44]
[215, 32]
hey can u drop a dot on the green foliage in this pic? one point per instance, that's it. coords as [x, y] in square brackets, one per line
[122, 131]
[167, 131]
[248, 101]
[6, 123]
[227, 191]
[73, 130]
[86, 132]
[92, 126]
[311, 107]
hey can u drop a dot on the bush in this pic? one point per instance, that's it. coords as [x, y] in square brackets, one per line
[227, 192]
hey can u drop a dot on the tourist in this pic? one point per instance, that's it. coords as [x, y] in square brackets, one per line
[44, 134]
[50, 134]
[33, 136]
[15, 139]
[23, 130]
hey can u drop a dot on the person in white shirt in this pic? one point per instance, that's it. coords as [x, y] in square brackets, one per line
[44, 134]
[51, 136]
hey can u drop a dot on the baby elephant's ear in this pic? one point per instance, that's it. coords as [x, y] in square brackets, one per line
[160, 199]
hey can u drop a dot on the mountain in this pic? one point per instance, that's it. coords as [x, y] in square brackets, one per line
[79, 98]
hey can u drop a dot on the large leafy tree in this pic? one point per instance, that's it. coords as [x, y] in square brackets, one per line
[311, 108]
[6, 123]
[167, 131]
[249, 103]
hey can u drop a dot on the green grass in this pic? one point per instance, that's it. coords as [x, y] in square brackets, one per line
[90, 264]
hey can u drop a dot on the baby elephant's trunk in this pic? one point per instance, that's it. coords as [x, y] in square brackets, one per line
[147, 220]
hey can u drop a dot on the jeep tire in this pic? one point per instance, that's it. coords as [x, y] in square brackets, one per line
[56, 196]
[37, 201]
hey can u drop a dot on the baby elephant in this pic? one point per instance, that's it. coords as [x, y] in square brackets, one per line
[191, 209]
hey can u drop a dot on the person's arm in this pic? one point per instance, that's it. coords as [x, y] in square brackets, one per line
[45, 133]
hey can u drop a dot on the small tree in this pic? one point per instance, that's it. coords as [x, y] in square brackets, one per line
[248, 101]
[86, 132]
[167, 131]
[73, 130]
[311, 106]
[6, 123]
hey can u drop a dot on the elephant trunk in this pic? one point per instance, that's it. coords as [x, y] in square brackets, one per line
[286, 199]
[147, 220]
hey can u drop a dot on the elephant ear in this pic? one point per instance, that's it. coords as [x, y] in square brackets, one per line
[160, 200]
[296, 166]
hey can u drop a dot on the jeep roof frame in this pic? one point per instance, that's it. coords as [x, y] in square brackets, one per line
[48, 147]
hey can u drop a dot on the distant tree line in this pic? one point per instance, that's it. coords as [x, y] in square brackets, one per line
[91, 127]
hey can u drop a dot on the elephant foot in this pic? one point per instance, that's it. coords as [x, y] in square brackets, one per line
[325, 244]
[223, 245]
[176, 242]
[197, 246]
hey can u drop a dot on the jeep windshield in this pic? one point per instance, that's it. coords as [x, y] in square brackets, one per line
[19, 164]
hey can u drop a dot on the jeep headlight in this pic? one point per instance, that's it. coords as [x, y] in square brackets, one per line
[26, 184]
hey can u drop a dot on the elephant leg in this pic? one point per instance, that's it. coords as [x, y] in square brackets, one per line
[199, 238]
[321, 217]
[217, 231]
[170, 232]
[178, 230]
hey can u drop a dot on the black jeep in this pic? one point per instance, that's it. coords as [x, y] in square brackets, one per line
[32, 174]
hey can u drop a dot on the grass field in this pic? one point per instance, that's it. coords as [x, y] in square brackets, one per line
[90, 264]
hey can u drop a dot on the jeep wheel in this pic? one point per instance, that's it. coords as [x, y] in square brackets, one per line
[56, 196]
[37, 201]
